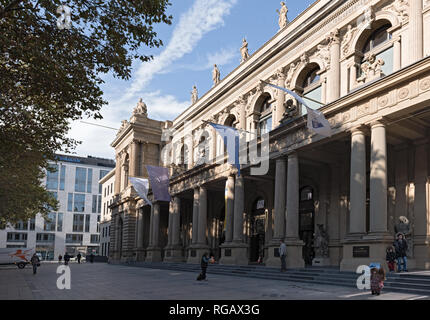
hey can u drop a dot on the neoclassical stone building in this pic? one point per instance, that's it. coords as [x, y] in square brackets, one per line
[335, 201]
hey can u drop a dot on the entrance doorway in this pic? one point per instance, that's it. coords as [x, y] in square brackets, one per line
[306, 223]
[257, 231]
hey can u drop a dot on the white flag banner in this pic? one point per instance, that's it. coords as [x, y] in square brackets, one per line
[141, 186]
[317, 123]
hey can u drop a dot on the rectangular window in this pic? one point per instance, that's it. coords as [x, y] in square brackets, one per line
[62, 176]
[89, 180]
[99, 206]
[79, 203]
[49, 224]
[32, 223]
[101, 175]
[94, 206]
[80, 179]
[74, 238]
[60, 222]
[52, 178]
[16, 236]
[70, 202]
[78, 222]
[21, 225]
[45, 237]
[87, 223]
[94, 238]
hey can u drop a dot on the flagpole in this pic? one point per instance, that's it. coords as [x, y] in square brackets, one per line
[234, 128]
[302, 96]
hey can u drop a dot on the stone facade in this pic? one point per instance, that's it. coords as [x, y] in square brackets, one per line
[367, 62]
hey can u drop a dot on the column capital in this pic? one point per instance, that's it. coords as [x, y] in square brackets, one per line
[362, 129]
[292, 154]
[378, 123]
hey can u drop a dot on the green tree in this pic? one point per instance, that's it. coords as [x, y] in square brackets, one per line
[50, 75]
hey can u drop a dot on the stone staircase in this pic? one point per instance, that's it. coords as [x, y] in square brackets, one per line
[415, 282]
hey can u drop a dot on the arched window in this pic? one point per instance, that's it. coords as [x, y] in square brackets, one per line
[312, 86]
[377, 42]
[203, 149]
[378, 37]
[306, 194]
[265, 121]
[184, 156]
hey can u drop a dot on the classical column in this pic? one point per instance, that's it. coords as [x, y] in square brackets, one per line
[378, 179]
[239, 206]
[195, 216]
[156, 224]
[397, 59]
[357, 221]
[334, 80]
[292, 212]
[176, 221]
[242, 109]
[170, 224]
[352, 76]
[324, 90]
[280, 193]
[203, 216]
[280, 99]
[415, 49]
[139, 228]
[229, 196]
[151, 222]
[118, 175]
[134, 149]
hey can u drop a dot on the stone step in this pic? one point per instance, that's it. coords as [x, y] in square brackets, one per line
[407, 283]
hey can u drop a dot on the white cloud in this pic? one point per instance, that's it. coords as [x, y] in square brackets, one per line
[203, 17]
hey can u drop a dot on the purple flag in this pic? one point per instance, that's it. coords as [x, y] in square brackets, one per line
[159, 178]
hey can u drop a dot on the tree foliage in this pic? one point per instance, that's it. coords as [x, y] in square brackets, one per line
[51, 76]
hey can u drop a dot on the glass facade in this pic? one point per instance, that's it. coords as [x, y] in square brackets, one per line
[94, 206]
[49, 224]
[101, 175]
[62, 176]
[87, 223]
[70, 202]
[60, 222]
[52, 178]
[16, 236]
[79, 202]
[80, 179]
[74, 238]
[94, 238]
[89, 180]
[78, 222]
[45, 237]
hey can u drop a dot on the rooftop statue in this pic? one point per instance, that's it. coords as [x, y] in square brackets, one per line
[283, 20]
[194, 95]
[244, 51]
[215, 75]
[140, 108]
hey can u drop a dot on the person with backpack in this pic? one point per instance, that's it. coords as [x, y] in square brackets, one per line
[79, 256]
[283, 256]
[60, 258]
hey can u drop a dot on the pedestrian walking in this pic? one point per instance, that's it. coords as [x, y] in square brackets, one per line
[283, 256]
[79, 257]
[204, 265]
[66, 258]
[401, 247]
[91, 257]
[35, 261]
[60, 258]
[391, 259]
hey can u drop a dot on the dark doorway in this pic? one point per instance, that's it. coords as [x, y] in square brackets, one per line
[306, 223]
[257, 231]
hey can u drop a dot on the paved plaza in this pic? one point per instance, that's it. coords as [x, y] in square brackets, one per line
[105, 281]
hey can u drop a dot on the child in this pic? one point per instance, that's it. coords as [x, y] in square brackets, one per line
[377, 277]
[391, 259]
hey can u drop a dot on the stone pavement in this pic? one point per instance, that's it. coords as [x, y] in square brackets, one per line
[105, 281]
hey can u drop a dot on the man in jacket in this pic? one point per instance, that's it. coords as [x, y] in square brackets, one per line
[401, 247]
[35, 261]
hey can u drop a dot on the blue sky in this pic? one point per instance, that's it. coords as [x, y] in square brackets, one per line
[203, 32]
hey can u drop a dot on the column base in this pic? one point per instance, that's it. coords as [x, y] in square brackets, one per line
[421, 252]
[234, 254]
[295, 254]
[273, 258]
[371, 248]
[174, 254]
[153, 254]
[140, 254]
[195, 253]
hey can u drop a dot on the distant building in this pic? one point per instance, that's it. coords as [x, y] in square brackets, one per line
[107, 182]
[75, 227]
